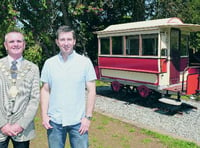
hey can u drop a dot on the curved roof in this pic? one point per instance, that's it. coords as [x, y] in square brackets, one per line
[150, 24]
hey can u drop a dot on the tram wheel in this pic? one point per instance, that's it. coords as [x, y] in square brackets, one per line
[143, 91]
[116, 86]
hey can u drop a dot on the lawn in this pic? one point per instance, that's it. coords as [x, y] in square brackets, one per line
[107, 132]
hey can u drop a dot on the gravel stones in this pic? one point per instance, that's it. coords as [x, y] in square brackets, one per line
[183, 123]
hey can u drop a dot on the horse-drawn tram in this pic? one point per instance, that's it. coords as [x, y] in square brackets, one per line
[150, 57]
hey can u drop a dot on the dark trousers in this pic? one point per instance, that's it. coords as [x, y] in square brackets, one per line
[24, 144]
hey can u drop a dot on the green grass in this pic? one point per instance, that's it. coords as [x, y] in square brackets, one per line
[146, 140]
[101, 83]
[124, 139]
[164, 139]
[169, 141]
[108, 132]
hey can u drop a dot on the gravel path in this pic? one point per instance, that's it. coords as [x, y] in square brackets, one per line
[183, 123]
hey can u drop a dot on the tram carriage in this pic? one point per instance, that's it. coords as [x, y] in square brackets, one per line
[149, 56]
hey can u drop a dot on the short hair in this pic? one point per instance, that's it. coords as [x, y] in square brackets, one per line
[13, 31]
[65, 29]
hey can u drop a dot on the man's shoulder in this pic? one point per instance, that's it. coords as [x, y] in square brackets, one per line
[51, 59]
[3, 59]
[82, 57]
[30, 64]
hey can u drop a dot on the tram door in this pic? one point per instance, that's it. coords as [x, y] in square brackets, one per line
[175, 56]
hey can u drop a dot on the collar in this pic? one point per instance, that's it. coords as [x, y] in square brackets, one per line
[19, 61]
[10, 59]
[69, 56]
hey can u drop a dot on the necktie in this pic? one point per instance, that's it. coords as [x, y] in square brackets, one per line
[13, 70]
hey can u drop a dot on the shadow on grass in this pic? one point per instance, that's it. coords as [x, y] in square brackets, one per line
[150, 102]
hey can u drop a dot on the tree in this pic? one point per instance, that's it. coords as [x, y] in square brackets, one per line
[193, 16]
[8, 21]
[187, 10]
[40, 20]
[169, 8]
[90, 16]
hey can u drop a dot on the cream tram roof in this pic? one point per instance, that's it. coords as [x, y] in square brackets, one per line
[149, 25]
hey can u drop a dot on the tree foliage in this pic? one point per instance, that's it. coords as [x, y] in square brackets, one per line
[40, 19]
[187, 10]
[170, 8]
[7, 21]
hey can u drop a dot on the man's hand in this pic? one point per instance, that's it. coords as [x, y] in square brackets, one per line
[17, 128]
[8, 130]
[85, 124]
[45, 122]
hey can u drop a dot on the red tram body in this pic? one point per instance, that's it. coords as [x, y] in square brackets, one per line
[151, 55]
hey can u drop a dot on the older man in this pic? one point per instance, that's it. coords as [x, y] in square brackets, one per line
[19, 94]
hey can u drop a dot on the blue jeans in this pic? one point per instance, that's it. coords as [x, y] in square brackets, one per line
[58, 134]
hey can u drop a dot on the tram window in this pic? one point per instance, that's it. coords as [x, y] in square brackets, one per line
[184, 45]
[150, 44]
[117, 46]
[132, 45]
[175, 37]
[105, 46]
